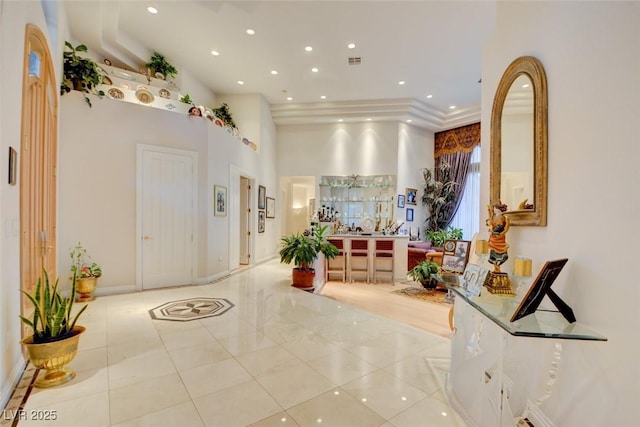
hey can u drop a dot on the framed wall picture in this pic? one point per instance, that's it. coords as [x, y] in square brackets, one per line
[13, 165]
[412, 196]
[409, 215]
[262, 195]
[271, 207]
[400, 200]
[261, 221]
[219, 200]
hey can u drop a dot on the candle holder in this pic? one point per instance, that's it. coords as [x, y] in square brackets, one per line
[482, 250]
[522, 274]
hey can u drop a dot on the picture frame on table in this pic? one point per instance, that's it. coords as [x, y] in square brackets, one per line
[271, 207]
[455, 256]
[261, 221]
[401, 200]
[409, 215]
[411, 196]
[219, 200]
[262, 197]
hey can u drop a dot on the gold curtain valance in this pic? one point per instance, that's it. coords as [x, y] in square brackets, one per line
[463, 139]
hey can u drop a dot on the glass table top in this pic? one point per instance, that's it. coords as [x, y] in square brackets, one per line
[541, 324]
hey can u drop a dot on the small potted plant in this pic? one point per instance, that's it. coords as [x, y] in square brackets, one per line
[423, 273]
[80, 73]
[85, 271]
[54, 342]
[302, 249]
[224, 114]
[161, 68]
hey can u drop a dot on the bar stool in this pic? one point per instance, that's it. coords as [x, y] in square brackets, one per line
[339, 263]
[383, 259]
[359, 251]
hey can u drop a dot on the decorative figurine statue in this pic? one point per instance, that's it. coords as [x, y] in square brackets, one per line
[498, 226]
[498, 223]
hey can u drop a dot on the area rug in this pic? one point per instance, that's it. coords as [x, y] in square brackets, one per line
[431, 295]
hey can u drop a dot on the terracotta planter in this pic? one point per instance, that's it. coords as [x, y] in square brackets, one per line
[53, 356]
[303, 278]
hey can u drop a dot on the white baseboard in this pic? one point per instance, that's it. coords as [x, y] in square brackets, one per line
[113, 290]
[12, 381]
[210, 278]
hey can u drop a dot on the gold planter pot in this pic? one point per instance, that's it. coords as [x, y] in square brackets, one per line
[53, 356]
[85, 287]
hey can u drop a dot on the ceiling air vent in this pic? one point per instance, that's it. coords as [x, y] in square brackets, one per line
[355, 60]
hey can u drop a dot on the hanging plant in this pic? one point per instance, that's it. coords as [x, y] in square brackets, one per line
[81, 74]
[224, 114]
[160, 65]
[186, 99]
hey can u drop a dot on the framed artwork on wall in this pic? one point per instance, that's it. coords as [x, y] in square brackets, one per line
[409, 215]
[262, 194]
[219, 200]
[271, 207]
[401, 200]
[412, 196]
[261, 221]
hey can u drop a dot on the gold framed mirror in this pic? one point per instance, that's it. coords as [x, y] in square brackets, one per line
[518, 176]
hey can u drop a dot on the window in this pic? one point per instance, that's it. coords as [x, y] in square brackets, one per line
[468, 215]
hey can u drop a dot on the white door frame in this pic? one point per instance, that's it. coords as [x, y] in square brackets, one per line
[140, 148]
[235, 173]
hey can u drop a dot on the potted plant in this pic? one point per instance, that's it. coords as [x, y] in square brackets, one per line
[85, 271]
[54, 342]
[224, 114]
[437, 238]
[423, 273]
[80, 73]
[162, 69]
[438, 196]
[186, 99]
[303, 249]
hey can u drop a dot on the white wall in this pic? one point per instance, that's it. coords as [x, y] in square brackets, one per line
[371, 148]
[591, 54]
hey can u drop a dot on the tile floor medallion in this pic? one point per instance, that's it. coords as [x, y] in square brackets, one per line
[191, 309]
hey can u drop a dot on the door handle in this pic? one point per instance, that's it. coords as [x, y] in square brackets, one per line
[146, 238]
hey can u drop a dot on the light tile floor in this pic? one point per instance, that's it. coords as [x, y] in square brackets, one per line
[280, 357]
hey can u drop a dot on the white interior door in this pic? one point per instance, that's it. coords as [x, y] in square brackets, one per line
[167, 206]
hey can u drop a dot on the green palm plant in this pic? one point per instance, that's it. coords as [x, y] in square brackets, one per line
[303, 248]
[438, 196]
[160, 65]
[52, 317]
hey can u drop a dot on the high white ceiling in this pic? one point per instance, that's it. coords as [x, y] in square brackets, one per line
[433, 46]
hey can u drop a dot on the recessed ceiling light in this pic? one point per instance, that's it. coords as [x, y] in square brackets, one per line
[401, 82]
[340, 120]
[308, 48]
[250, 31]
[240, 82]
[368, 119]
[289, 98]
[409, 121]
[215, 53]
[452, 107]
[351, 45]
[323, 97]
[274, 72]
[315, 70]
[152, 10]
[429, 96]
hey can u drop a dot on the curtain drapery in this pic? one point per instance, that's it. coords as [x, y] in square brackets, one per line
[455, 147]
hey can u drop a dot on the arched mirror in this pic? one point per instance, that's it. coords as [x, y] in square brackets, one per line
[519, 143]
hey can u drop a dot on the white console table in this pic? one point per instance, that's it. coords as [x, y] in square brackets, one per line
[489, 381]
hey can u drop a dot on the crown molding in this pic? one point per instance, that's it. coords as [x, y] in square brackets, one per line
[378, 110]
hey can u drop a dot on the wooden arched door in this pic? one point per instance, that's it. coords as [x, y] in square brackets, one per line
[38, 152]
